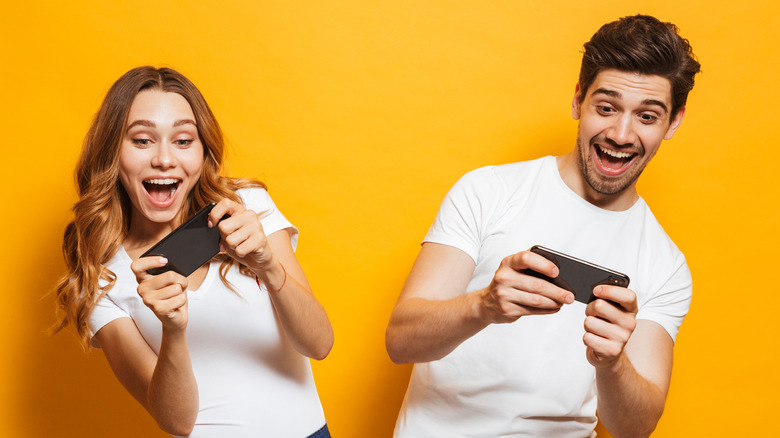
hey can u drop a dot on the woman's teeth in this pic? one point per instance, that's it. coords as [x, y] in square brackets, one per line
[162, 181]
[161, 188]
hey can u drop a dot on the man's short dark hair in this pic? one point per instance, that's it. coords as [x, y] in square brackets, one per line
[641, 44]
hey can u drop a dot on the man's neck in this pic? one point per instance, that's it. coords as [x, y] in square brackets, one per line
[572, 177]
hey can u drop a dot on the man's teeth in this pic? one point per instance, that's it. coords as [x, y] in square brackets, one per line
[616, 154]
[162, 181]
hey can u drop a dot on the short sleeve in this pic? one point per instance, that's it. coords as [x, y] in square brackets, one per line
[462, 215]
[259, 201]
[105, 311]
[669, 305]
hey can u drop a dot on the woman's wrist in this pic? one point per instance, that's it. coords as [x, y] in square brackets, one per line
[174, 333]
[274, 277]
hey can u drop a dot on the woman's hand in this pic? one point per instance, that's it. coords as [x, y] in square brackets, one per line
[242, 235]
[273, 261]
[165, 294]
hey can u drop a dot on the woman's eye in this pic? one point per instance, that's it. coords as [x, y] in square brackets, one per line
[142, 141]
[183, 142]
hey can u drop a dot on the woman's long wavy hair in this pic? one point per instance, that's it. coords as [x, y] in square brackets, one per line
[102, 213]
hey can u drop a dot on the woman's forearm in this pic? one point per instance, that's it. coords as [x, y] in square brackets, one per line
[172, 396]
[303, 318]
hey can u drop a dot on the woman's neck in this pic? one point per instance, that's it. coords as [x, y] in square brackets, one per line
[144, 233]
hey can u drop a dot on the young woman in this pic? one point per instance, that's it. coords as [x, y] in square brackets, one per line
[223, 352]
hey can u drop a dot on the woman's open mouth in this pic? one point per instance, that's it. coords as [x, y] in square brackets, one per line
[161, 191]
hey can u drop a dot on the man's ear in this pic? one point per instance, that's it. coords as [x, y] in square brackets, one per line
[576, 102]
[674, 124]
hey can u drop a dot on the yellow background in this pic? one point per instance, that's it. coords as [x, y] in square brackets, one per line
[359, 116]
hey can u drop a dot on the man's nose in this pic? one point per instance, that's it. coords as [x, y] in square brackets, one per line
[622, 131]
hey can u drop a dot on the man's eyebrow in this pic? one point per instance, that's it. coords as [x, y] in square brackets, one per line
[610, 93]
[657, 103]
[613, 93]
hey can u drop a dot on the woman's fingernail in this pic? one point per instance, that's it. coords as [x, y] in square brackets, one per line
[163, 260]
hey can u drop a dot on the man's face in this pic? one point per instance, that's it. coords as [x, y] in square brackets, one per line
[623, 119]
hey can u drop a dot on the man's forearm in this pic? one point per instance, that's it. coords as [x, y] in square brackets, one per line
[628, 404]
[423, 330]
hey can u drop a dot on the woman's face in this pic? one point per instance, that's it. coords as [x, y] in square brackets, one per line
[161, 156]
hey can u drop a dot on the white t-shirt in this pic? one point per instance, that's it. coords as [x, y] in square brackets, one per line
[531, 377]
[251, 381]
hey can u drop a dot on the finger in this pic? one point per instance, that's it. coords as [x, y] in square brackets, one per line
[625, 298]
[140, 266]
[509, 277]
[168, 278]
[529, 291]
[531, 260]
[238, 220]
[236, 229]
[531, 301]
[601, 348]
[605, 329]
[168, 306]
[164, 293]
[505, 308]
[612, 315]
[224, 207]
[253, 243]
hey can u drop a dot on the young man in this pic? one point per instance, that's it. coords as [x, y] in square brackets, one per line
[501, 353]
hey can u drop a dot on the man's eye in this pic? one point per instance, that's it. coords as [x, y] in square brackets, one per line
[648, 118]
[605, 109]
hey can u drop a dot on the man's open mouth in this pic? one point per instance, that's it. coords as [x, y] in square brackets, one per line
[161, 190]
[613, 162]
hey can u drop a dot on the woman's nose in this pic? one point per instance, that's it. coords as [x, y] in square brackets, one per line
[163, 159]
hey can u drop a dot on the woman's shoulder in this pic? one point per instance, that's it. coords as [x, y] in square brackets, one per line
[257, 194]
[119, 266]
[256, 198]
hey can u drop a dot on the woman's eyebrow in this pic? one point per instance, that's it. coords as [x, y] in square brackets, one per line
[184, 122]
[147, 123]
[151, 124]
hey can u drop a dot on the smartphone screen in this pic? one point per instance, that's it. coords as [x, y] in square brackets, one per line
[577, 276]
[189, 246]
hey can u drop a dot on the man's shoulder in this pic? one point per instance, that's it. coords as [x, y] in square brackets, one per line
[508, 175]
[655, 233]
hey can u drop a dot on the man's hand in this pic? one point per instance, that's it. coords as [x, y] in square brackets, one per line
[609, 323]
[512, 294]
[434, 314]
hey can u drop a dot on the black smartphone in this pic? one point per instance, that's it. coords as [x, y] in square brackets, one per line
[189, 246]
[577, 276]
